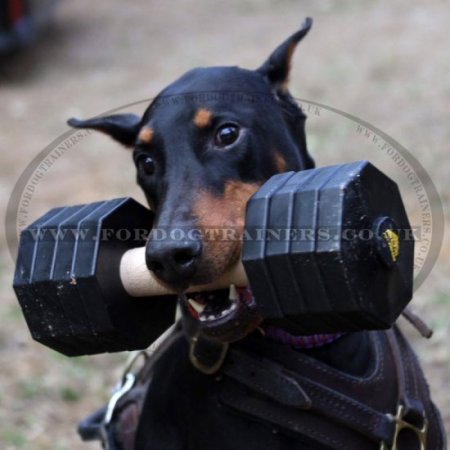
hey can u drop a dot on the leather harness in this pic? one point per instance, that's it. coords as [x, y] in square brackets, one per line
[298, 395]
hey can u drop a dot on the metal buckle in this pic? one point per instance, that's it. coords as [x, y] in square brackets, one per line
[401, 424]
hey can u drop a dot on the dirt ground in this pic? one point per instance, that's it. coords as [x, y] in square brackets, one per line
[384, 62]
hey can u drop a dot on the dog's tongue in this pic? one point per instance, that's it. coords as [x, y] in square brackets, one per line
[245, 294]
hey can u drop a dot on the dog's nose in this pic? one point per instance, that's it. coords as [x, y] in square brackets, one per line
[173, 262]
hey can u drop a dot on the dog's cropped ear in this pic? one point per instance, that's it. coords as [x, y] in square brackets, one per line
[277, 66]
[123, 128]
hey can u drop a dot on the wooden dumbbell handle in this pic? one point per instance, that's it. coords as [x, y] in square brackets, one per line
[138, 281]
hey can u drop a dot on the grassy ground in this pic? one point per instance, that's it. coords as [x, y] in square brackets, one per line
[385, 62]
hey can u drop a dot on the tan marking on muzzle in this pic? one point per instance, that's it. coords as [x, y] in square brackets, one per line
[203, 118]
[221, 220]
[145, 135]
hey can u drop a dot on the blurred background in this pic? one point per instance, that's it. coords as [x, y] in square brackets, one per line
[384, 62]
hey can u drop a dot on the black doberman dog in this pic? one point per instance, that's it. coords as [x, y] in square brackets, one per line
[201, 149]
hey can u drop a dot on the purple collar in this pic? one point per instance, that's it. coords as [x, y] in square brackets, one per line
[283, 337]
[299, 342]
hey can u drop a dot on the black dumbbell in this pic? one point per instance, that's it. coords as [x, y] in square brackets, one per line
[327, 249]
[348, 262]
[68, 284]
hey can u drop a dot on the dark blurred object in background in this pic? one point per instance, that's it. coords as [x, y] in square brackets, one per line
[21, 21]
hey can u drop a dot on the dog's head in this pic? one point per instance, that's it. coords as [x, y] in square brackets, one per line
[202, 148]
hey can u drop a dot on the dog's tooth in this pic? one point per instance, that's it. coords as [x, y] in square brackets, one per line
[199, 308]
[211, 317]
[233, 294]
[233, 307]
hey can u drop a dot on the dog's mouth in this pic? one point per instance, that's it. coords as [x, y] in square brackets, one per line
[225, 315]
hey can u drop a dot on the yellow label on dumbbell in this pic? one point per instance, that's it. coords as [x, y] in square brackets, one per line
[393, 243]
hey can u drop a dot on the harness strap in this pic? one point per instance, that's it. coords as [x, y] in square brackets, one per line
[266, 378]
[408, 394]
[294, 390]
[292, 421]
[333, 409]
[419, 324]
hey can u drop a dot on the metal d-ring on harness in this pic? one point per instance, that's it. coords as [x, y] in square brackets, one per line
[404, 404]
[401, 424]
[213, 365]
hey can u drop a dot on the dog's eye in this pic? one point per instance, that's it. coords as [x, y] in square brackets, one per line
[146, 165]
[226, 135]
